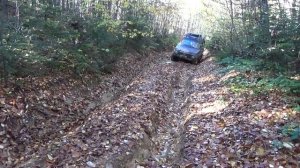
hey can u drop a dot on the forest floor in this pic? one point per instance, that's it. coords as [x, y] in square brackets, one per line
[155, 113]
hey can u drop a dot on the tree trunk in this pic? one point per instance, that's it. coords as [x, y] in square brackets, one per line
[3, 63]
[67, 4]
[298, 33]
[18, 14]
[265, 22]
[294, 11]
[63, 4]
[4, 9]
[299, 15]
[232, 25]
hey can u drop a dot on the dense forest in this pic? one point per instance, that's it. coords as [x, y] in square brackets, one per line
[90, 83]
[267, 30]
[82, 36]
[86, 37]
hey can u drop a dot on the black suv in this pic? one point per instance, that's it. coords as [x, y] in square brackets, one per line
[190, 48]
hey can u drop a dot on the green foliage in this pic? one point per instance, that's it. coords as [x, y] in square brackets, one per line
[239, 64]
[241, 83]
[280, 144]
[257, 84]
[49, 38]
[297, 108]
[291, 130]
[169, 41]
[285, 84]
[215, 43]
[271, 37]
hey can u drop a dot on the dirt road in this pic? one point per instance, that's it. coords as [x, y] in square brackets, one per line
[173, 114]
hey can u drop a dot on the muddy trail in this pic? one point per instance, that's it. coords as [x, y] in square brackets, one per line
[173, 114]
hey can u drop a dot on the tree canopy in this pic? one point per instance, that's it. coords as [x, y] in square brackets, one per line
[84, 35]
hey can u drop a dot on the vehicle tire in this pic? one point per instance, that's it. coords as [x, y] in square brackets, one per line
[200, 58]
[174, 57]
[196, 61]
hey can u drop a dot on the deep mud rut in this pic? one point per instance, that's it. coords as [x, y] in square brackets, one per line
[144, 127]
[171, 115]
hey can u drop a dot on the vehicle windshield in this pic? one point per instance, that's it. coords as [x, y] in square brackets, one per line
[190, 43]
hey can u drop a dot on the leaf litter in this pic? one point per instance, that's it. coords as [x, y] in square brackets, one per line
[152, 115]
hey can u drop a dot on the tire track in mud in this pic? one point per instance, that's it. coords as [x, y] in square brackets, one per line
[209, 126]
[144, 127]
[169, 137]
[202, 117]
[119, 134]
[172, 115]
[56, 148]
[162, 146]
[172, 137]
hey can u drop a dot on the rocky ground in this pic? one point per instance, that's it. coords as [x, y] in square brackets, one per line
[158, 114]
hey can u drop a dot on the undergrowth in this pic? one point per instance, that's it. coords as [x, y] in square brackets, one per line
[255, 77]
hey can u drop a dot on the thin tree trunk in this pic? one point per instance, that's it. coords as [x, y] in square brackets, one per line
[298, 32]
[299, 15]
[294, 11]
[18, 15]
[67, 5]
[4, 9]
[232, 25]
[3, 18]
[265, 22]
[63, 4]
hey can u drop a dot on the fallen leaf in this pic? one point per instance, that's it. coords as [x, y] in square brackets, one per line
[260, 151]
[288, 145]
[2, 101]
[91, 164]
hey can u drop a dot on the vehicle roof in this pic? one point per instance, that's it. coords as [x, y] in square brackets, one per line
[191, 39]
[192, 36]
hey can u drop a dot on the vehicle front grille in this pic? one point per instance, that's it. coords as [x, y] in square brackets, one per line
[188, 55]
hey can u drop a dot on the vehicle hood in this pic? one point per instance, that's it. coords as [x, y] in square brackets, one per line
[187, 49]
